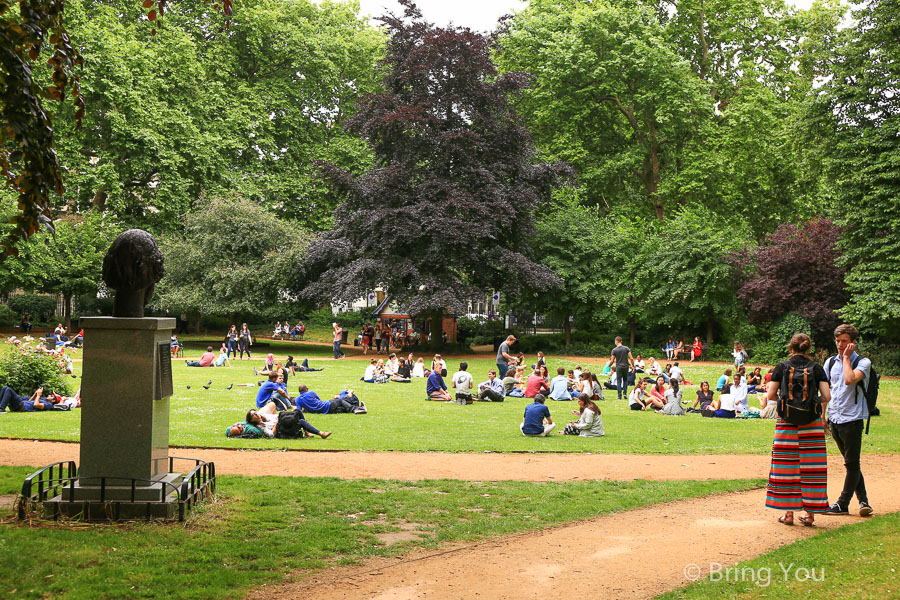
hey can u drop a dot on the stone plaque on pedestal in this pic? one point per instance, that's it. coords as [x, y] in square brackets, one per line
[126, 384]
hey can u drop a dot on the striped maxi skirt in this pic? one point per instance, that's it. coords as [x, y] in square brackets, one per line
[798, 478]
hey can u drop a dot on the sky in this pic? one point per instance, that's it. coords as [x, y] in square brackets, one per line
[480, 15]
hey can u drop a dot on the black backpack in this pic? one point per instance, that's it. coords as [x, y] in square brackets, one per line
[870, 393]
[798, 396]
[289, 425]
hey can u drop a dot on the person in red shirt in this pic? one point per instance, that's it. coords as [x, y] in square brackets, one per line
[205, 361]
[696, 349]
[535, 384]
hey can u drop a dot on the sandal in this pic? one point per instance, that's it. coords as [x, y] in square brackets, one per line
[786, 520]
[807, 521]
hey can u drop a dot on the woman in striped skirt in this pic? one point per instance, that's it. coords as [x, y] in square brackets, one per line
[798, 478]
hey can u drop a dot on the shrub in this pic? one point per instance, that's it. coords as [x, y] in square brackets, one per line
[90, 305]
[26, 371]
[41, 308]
[468, 330]
[8, 317]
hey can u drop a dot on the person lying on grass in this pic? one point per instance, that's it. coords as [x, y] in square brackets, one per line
[275, 391]
[267, 419]
[21, 403]
[205, 361]
[345, 402]
[303, 367]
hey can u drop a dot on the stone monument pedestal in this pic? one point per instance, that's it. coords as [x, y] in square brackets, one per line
[126, 384]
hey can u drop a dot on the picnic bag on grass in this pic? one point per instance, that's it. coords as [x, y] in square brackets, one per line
[798, 396]
[870, 393]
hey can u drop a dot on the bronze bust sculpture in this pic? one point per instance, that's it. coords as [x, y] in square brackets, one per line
[132, 266]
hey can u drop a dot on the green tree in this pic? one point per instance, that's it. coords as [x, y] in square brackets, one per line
[612, 97]
[693, 280]
[70, 261]
[858, 114]
[232, 259]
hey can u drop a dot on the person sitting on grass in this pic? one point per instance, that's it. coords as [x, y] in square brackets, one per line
[268, 367]
[739, 393]
[653, 368]
[438, 360]
[462, 383]
[369, 374]
[559, 386]
[639, 364]
[590, 421]
[723, 379]
[309, 402]
[493, 389]
[273, 390]
[205, 361]
[723, 406]
[436, 388]
[403, 373]
[673, 400]
[21, 403]
[754, 381]
[419, 368]
[657, 396]
[704, 398]
[537, 421]
[535, 385]
[637, 397]
[223, 357]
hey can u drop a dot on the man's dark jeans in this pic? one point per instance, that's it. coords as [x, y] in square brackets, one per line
[9, 397]
[622, 382]
[848, 437]
[490, 395]
[501, 370]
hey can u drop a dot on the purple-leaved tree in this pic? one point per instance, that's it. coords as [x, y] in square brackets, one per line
[445, 213]
[794, 270]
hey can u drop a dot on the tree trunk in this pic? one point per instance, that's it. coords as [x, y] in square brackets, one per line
[437, 327]
[67, 312]
[567, 329]
[196, 327]
[709, 332]
[653, 181]
[631, 328]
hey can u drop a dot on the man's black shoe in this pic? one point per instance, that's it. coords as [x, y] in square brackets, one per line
[837, 509]
[865, 510]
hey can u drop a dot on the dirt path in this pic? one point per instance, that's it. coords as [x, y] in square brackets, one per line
[467, 467]
[635, 554]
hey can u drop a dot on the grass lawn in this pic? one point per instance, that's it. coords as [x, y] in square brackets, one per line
[855, 561]
[400, 419]
[260, 530]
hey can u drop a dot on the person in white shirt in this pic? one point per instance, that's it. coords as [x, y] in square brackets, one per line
[676, 373]
[636, 397]
[739, 393]
[463, 383]
[724, 404]
[654, 369]
[419, 368]
[638, 364]
[369, 376]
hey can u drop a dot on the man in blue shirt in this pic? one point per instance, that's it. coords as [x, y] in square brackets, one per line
[16, 403]
[345, 402]
[273, 391]
[559, 386]
[535, 414]
[491, 390]
[847, 411]
[436, 388]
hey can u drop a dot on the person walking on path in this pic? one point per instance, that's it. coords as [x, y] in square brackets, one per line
[624, 362]
[504, 358]
[245, 340]
[848, 375]
[798, 478]
[338, 337]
